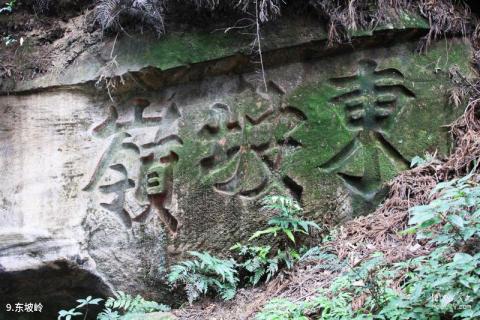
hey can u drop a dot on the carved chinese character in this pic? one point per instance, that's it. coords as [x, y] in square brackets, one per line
[138, 146]
[246, 149]
[370, 100]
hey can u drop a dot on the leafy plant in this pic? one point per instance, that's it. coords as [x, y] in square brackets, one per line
[451, 218]
[125, 304]
[447, 281]
[261, 262]
[336, 302]
[67, 315]
[138, 304]
[258, 263]
[8, 39]
[205, 273]
[324, 260]
[367, 282]
[444, 284]
[108, 314]
[8, 6]
[438, 286]
[417, 161]
[283, 309]
[286, 221]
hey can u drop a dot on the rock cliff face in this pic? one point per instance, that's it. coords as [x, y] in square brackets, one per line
[105, 186]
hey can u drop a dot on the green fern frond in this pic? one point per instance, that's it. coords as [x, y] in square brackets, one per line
[205, 273]
[127, 303]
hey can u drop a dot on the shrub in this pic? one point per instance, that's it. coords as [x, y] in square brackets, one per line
[447, 281]
[439, 286]
[444, 284]
[451, 219]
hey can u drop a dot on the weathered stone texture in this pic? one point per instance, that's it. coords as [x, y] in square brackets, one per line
[123, 189]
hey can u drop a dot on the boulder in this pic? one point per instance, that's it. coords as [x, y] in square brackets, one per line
[110, 175]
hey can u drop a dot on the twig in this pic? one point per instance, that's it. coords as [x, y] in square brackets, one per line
[259, 45]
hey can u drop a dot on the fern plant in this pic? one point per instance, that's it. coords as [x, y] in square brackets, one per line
[108, 314]
[261, 262]
[323, 260]
[137, 304]
[368, 280]
[444, 284]
[204, 274]
[283, 309]
[286, 220]
[120, 307]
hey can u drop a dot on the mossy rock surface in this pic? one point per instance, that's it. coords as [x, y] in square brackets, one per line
[178, 159]
[329, 132]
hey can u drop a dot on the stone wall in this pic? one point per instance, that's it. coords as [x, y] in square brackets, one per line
[121, 183]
